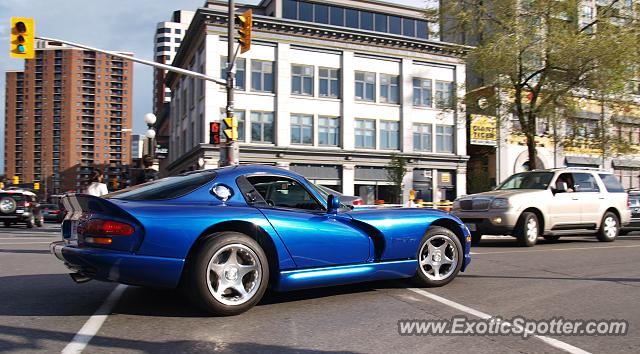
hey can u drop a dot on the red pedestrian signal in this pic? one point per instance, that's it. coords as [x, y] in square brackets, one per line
[214, 133]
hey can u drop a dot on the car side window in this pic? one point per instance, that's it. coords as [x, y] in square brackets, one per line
[585, 182]
[568, 179]
[284, 192]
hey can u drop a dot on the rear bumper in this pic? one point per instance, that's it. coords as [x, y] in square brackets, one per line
[15, 217]
[120, 267]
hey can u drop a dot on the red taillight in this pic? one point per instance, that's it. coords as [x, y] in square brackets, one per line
[107, 227]
[358, 202]
[27, 204]
[55, 211]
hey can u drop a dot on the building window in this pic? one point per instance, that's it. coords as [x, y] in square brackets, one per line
[261, 76]
[241, 72]
[321, 14]
[444, 138]
[395, 25]
[240, 117]
[352, 18]
[328, 131]
[329, 82]
[290, 9]
[381, 22]
[365, 133]
[366, 20]
[302, 80]
[365, 86]
[305, 12]
[408, 27]
[337, 16]
[301, 129]
[389, 89]
[389, 135]
[422, 137]
[422, 92]
[262, 127]
[444, 94]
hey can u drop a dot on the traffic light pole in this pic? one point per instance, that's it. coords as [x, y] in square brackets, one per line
[231, 147]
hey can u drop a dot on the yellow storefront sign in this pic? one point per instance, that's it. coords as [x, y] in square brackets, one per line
[483, 130]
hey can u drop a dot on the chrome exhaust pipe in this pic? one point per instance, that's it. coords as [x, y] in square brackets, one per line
[79, 278]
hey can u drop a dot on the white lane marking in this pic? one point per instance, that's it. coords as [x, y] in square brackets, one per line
[93, 324]
[24, 243]
[550, 341]
[558, 249]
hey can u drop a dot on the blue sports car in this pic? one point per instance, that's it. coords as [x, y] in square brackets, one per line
[223, 236]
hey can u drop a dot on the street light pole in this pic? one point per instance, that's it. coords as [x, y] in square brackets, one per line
[150, 120]
[231, 145]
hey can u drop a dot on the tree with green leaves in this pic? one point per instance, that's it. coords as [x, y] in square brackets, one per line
[538, 51]
[396, 170]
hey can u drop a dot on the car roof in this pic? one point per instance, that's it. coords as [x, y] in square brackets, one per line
[235, 171]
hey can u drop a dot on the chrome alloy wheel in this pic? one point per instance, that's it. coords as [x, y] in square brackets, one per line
[438, 257]
[7, 205]
[610, 227]
[532, 229]
[234, 274]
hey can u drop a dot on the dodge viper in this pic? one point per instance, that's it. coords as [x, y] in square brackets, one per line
[225, 235]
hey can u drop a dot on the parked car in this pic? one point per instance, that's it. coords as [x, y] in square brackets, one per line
[20, 207]
[549, 203]
[52, 212]
[225, 235]
[348, 200]
[634, 204]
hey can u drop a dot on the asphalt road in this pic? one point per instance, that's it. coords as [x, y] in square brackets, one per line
[41, 309]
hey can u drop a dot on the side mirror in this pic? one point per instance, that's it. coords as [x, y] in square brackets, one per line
[561, 187]
[333, 204]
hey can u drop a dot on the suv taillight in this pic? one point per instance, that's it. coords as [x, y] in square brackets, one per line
[26, 204]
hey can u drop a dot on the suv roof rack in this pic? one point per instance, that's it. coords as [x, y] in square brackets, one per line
[580, 169]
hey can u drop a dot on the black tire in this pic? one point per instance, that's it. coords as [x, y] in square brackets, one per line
[31, 222]
[436, 234]
[609, 228]
[475, 237]
[551, 238]
[525, 228]
[7, 224]
[197, 277]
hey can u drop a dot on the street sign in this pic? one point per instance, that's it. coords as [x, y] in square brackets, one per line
[483, 130]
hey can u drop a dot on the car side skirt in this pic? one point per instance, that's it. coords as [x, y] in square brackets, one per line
[355, 273]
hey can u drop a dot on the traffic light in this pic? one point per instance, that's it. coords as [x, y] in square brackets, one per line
[36, 186]
[214, 133]
[15, 180]
[246, 24]
[231, 129]
[22, 38]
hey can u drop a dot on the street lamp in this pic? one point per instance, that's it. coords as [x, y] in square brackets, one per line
[150, 120]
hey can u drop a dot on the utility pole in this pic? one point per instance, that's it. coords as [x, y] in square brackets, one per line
[231, 145]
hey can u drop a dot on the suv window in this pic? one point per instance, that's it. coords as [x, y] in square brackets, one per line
[284, 192]
[166, 188]
[528, 180]
[611, 183]
[585, 182]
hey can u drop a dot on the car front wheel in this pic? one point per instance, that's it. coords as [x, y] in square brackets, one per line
[609, 227]
[527, 229]
[229, 274]
[440, 257]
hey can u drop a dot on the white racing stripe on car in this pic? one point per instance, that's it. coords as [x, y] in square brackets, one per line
[557, 249]
[93, 324]
[548, 340]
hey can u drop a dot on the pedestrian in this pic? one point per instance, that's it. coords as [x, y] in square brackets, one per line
[150, 174]
[96, 186]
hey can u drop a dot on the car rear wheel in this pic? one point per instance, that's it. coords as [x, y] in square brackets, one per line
[228, 274]
[609, 227]
[440, 257]
[527, 229]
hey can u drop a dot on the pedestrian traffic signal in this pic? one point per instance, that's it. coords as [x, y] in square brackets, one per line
[246, 24]
[231, 129]
[22, 38]
[214, 133]
[15, 179]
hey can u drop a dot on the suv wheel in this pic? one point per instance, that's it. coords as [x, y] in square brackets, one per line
[609, 228]
[527, 229]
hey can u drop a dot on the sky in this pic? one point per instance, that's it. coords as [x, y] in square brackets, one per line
[120, 25]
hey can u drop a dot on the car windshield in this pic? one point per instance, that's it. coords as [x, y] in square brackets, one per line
[527, 180]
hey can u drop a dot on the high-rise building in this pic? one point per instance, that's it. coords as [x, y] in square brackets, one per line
[67, 112]
[167, 40]
[332, 90]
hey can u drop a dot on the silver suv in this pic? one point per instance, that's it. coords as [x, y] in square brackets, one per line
[548, 203]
